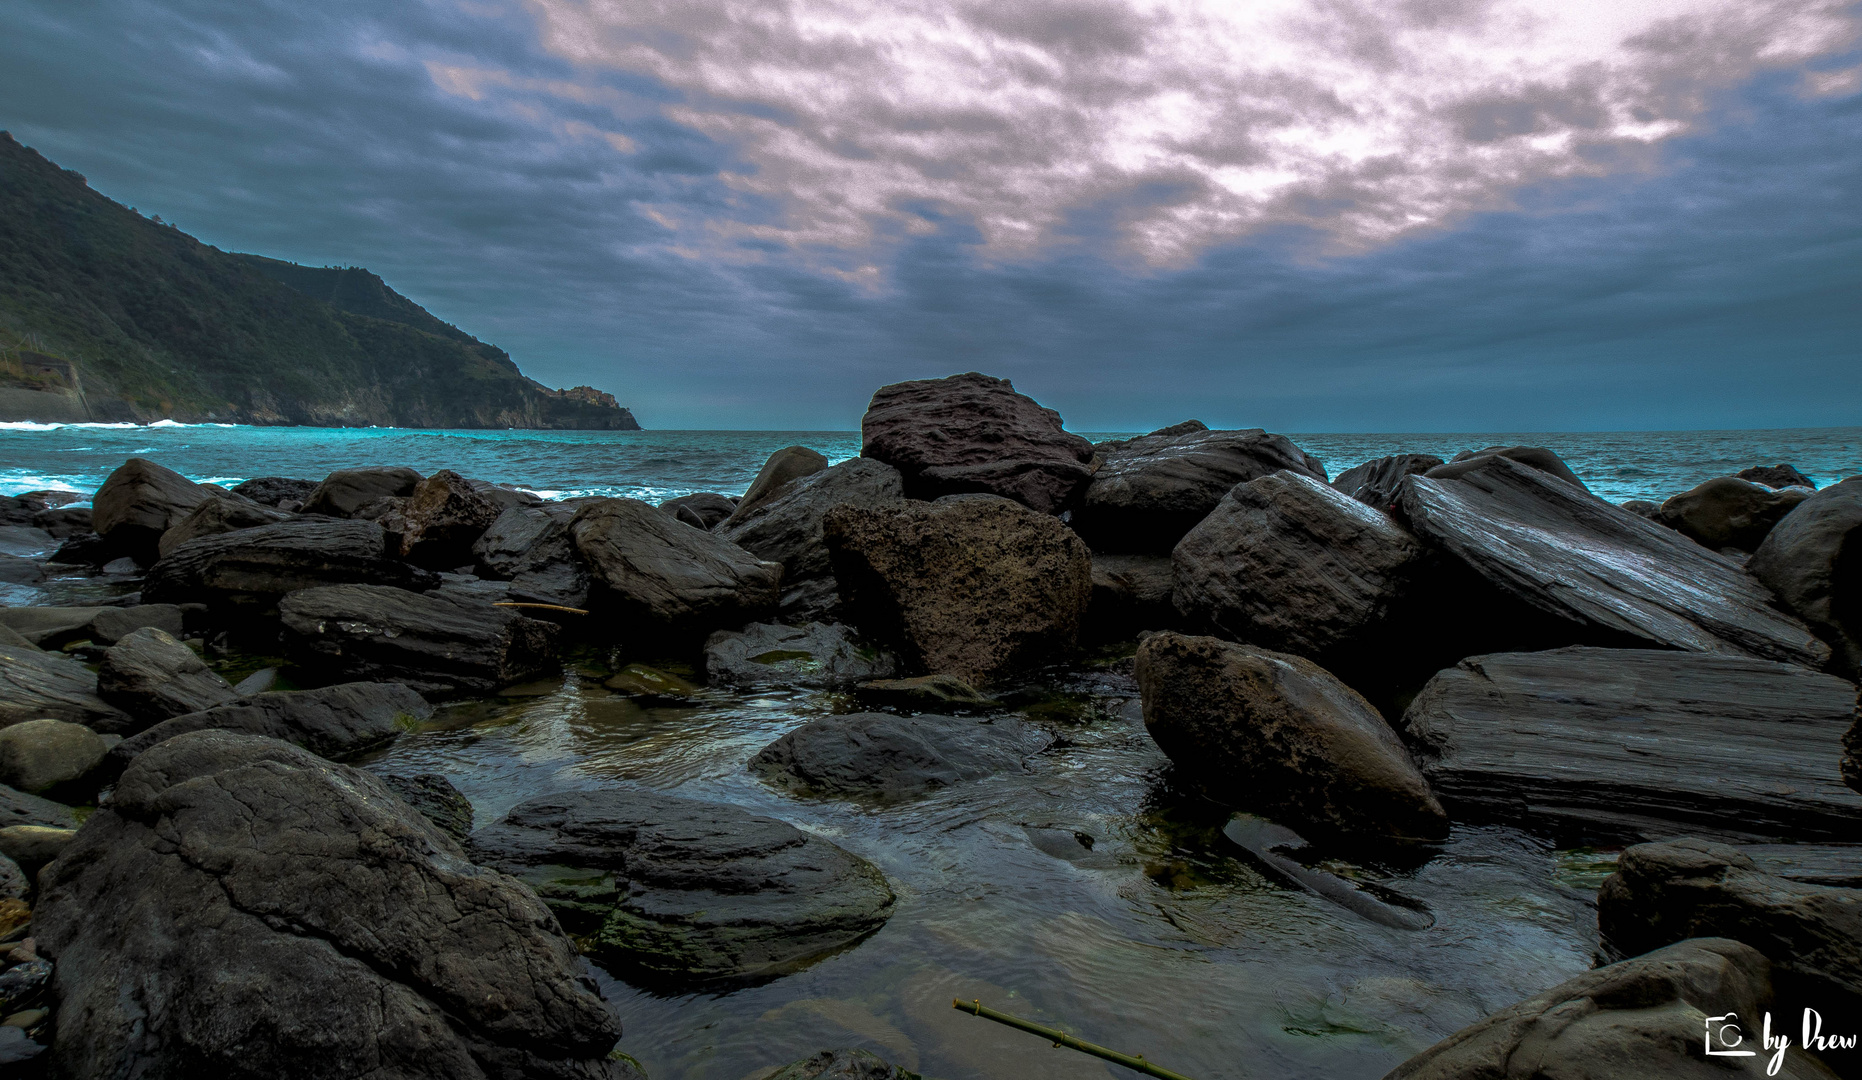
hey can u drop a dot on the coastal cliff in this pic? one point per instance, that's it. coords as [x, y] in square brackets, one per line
[109, 316]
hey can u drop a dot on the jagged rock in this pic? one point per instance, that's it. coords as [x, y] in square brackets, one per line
[971, 585]
[139, 502]
[530, 547]
[1131, 593]
[14, 885]
[345, 491]
[703, 510]
[652, 570]
[1688, 888]
[1729, 512]
[1641, 1018]
[940, 693]
[1377, 482]
[437, 800]
[1152, 490]
[814, 654]
[842, 1065]
[1279, 735]
[335, 722]
[684, 890]
[216, 515]
[40, 755]
[887, 757]
[1813, 561]
[786, 528]
[1640, 744]
[444, 517]
[56, 627]
[19, 808]
[378, 947]
[1599, 574]
[65, 522]
[1777, 476]
[36, 685]
[280, 492]
[151, 676]
[1536, 457]
[254, 567]
[785, 466]
[428, 643]
[974, 433]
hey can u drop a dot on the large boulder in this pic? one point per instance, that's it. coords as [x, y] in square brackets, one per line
[974, 433]
[701, 510]
[1813, 560]
[1279, 735]
[1667, 892]
[246, 909]
[786, 528]
[813, 654]
[335, 722]
[151, 676]
[40, 755]
[1597, 574]
[1535, 457]
[1727, 512]
[681, 890]
[36, 685]
[1152, 490]
[1777, 476]
[138, 503]
[653, 571]
[1640, 744]
[215, 515]
[785, 466]
[345, 491]
[530, 547]
[889, 758]
[279, 492]
[254, 567]
[1642, 1018]
[444, 517]
[433, 644]
[971, 585]
[1377, 481]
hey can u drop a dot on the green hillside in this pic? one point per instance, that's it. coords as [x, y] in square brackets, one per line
[155, 324]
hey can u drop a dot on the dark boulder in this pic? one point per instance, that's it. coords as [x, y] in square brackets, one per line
[216, 515]
[787, 529]
[1597, 574]
[437, 800]
[246, 909]
[504, 496]
[254, 567]
[1729, 512]
[889, 758]
[1536, 457]
[1643, 508]
[1640, 744]
[36, 685]
[530, 547]
[443, 518]
[1377, 482]
[152, 677]
[19, 808]
[55, 627]
[974, 433]
[971, 585]
[1777, 476]
[683, 891]
[1279, 735]
[784, 467]
[1152, 490]
[139, 502]
[335, 722]
[813, 654]
[703, 510]
[428, 643]
[1131, 594]
[652, 572]
[345, 491]
[1813, 561]
[49, 756]
[64, 522]
[280, 492]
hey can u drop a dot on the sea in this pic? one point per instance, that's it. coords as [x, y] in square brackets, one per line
[657, 465]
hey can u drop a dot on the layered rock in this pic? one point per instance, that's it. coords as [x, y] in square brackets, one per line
[280, 492]
[151, 676]
[1535, 457]
[651, 570]
[345, 491]
[1813, 560]
[429, 643]
[36, 685]
[785, 466]
[335, 722]
[530, 547]
[1378, 481]
[443, 518]
[55, 627]
[786, 528]
[974, 433]
[1727, 512]
[138, 503]
[889, 758]
[813, 654]
[1640, 744]
[215, 515]
[254, 567]
[974, 586]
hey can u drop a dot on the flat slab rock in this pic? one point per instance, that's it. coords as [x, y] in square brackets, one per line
[815, 654]
[333, 721]
[889, 758]
[1608, 576]
[682, 890]
[258, 565]
[429, 643]
[1641, 744]
[38, 685]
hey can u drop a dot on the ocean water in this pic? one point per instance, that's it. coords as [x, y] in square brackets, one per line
[656, 465]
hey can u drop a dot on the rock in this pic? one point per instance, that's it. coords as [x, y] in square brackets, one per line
[112, 624]
[16, 1047]
[974, 586]
[1640, 744]
[504, 496]
[785, 466]
[19, 808]
[1643, 508]
[530, 547]
[25, 542]
[380, 949]
[437, 800]
[1273, 733]
[1601, 575]
[935, 693]
[335, 722]
[1729, 512]
[281, 492]
[216, 515]
[889, 758]
[1152, 490]
[974, 433]
[123, 567]
[24, 985]
[1536, 457]
[682, 890]
[252, 568]
[1852, 751]
[1634, 1020]
[1688, 888]
[345, 491]
[151, 676]
[842, 1065]
[39, 755]
[1131, 593]
[34, 845]
[651, 686]
[84, 549]
[650, 569]
[37, 685]
[1376, 482]
[704, 510]
[444, 517]
[1813, 561]
[256, 683]
[12, 639]
[64, 522]
[786, 528]
[14, 885]
[56, 627]
[1777, 476]
[139, 502]
[814, 654]
[431, 644]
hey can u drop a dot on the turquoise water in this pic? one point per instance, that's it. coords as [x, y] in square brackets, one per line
[657, 465]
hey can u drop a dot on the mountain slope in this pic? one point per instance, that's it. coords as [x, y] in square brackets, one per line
[155, 324]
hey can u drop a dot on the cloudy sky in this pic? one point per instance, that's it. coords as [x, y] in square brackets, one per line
[1311, 215]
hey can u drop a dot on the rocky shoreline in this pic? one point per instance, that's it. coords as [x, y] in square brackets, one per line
[1359, 663]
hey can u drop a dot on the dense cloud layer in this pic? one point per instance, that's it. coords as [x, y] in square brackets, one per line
[751, 216]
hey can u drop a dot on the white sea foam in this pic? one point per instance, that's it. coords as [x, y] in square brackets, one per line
[34, 425]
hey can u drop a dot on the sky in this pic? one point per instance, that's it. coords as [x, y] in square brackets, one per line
[1307, 215]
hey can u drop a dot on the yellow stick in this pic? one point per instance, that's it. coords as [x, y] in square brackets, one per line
[545, 607]
[1061, 1038]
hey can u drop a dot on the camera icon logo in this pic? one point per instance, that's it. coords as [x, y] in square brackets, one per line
[1723, 1033]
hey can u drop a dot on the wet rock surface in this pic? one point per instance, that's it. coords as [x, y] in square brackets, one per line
[925, 693]
[1813, 560]
[345, 491]
[842, 1065]
[335, 722]
[428, 643]
[888, 758]
[151, 676]
[437, 800]
[1729, 512]
[36, 685]
[138, 503]
[813, 654]
[255, 567]
[658, 571]
[787, 528]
